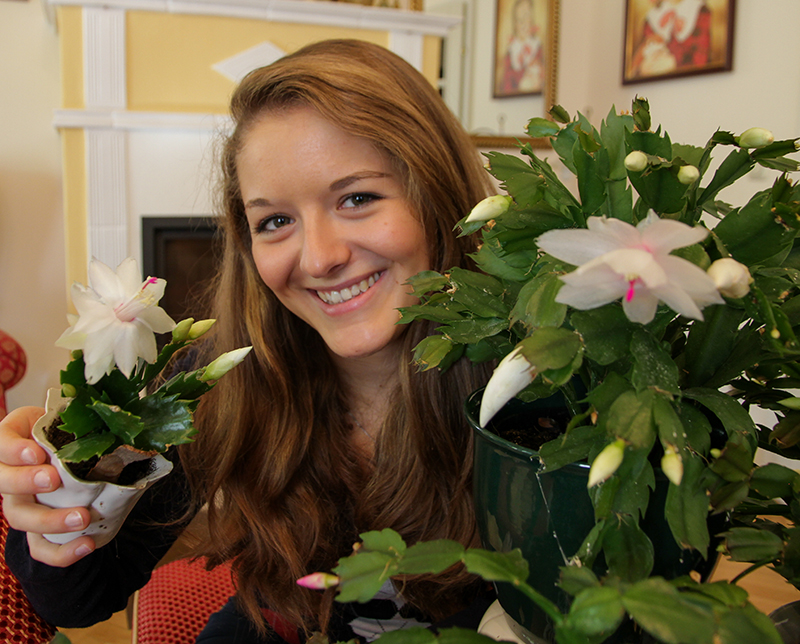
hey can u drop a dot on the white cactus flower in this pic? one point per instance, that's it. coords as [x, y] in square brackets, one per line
[511, 376]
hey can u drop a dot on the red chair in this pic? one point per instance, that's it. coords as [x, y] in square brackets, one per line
[19, 623]
[12, 367]
[174, 606]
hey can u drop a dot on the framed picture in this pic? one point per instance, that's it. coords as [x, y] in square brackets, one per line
[520, 44]
[519, 80]
[672, 38]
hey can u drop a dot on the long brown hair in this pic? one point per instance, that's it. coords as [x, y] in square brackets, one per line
[273, 460]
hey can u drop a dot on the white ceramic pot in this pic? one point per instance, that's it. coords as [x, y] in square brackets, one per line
[109, 503]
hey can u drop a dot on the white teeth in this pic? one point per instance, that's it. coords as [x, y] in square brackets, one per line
[336, 297]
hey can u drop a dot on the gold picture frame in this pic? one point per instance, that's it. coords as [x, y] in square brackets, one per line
[550, 39]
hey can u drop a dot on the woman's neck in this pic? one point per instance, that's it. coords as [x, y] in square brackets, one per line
[369, 382]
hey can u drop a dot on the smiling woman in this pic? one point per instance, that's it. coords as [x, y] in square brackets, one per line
[327, 215]
[343, 177]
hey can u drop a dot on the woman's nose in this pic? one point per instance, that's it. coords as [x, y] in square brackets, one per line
[325, 247]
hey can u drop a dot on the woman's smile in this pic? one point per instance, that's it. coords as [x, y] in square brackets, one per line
[345, 294]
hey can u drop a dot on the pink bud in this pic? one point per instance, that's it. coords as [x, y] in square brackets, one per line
[318, 581]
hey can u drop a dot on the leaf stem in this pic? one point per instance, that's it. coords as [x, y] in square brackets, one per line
[750, 569]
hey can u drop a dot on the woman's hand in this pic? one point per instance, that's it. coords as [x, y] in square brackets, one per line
[24, 472]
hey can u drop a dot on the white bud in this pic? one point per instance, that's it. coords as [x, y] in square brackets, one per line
[181, 330]
[489, 208]
[672, 465]
[636, 161]
[607, 462]
[731, 278]
[755, 137]
[688, 174]
[199, 328]
[224, 364]
[511, 376]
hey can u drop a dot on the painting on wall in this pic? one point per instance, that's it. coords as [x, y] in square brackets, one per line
[673, 38]
[522, 30]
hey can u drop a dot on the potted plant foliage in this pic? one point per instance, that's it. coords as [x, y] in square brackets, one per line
[107, 427]
[647, 323]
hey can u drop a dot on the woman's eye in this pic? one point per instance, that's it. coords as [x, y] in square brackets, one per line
[359, 199]
[269, 224]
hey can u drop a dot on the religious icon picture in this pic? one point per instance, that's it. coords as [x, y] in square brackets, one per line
[672, 38]
[521, 35]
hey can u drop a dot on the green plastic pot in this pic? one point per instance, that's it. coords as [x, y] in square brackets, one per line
[547, 515]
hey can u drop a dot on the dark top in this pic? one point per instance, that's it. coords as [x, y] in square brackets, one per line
[98, 585]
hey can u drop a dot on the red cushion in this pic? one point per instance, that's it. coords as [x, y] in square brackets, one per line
[12, 366]
[176, 603]
[18, 621]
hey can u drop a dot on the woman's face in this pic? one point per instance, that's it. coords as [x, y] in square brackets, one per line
[333, 235]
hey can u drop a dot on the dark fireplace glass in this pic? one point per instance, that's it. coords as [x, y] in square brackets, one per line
[184, 251]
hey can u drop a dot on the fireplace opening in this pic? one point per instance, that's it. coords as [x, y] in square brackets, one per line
[185, 251]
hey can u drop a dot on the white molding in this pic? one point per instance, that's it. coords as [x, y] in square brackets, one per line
[125, 120]
[104, 57]
[337, 14]
[106, 202]
[408, 46]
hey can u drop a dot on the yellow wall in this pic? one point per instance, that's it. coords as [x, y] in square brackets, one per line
[169, 60]
[170, 56]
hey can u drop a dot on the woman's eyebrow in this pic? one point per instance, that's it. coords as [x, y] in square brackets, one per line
[341, 184]
[258, 202]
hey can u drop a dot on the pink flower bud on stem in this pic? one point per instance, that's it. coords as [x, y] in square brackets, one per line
[318, 581]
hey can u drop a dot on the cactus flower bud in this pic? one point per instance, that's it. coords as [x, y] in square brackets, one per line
[68, 391]
[731, 278]
[636, 161]
[511, 376]
[224, 364]
[672, 465]
[489, 208]
[318, 581]
[199, 328]
[181, 330]
[755, 137]
[606, 462]
[688, 174]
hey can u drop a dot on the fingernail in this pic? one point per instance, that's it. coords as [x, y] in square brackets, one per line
[74, 520]
[42, 479]
[28, 456]
[82, 550]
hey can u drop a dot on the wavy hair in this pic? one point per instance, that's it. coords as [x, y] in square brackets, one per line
[286, 494]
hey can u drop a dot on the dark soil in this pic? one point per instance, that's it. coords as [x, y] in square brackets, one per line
[529, 429]
[132, 472]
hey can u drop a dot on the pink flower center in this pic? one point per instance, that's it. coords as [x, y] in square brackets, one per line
[631, 289]
[130, 309]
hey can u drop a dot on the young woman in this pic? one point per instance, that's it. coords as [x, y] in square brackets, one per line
[344, 176]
